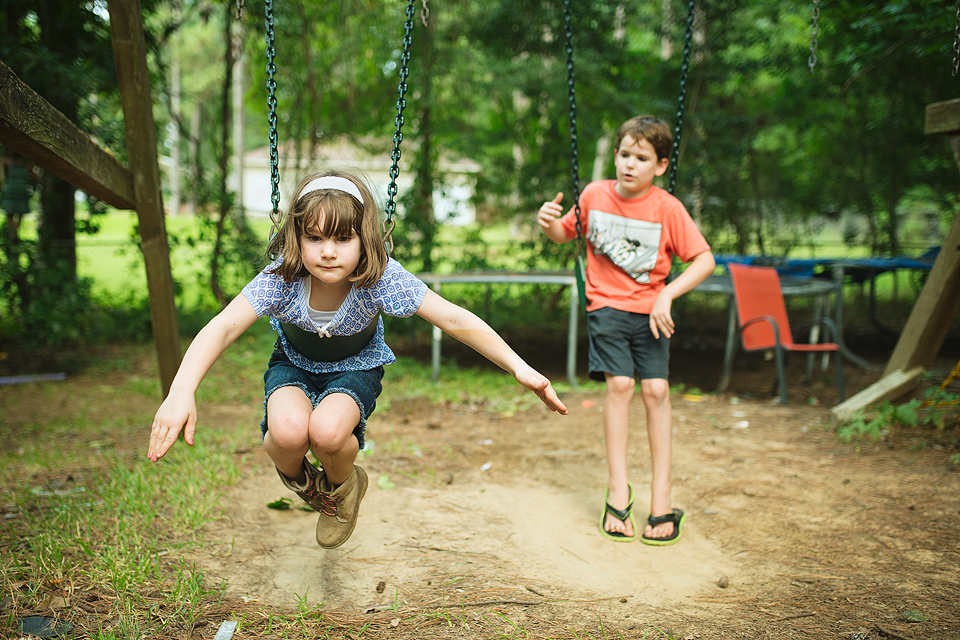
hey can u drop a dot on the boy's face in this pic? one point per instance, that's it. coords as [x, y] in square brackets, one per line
[637, 165]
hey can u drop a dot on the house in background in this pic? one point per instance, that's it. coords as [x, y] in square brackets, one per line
[452, 200]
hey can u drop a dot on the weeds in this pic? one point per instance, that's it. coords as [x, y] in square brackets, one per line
[939, 410]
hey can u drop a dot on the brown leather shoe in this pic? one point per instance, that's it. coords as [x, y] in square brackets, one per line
[309, 491]
[341, 507]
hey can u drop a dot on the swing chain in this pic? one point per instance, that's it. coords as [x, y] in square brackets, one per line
[424, 13]
[272, 121]
[572, 95]
[956, 42]
[239, 9]
[681, 98]
[814, 32]
[391, 206]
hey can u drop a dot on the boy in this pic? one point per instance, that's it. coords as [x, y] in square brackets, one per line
[633, 229]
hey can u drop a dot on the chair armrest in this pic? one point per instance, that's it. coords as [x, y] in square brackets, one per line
[768, 319]
[825, 321]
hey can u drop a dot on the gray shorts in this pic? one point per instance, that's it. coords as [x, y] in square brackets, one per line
[622, 344]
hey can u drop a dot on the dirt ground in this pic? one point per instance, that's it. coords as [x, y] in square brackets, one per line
[477, 520]
[790, 534]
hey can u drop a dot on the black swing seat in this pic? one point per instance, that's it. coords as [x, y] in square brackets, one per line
[319, 349]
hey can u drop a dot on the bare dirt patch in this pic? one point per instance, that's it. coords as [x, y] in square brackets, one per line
[791, 534]
[484, 524]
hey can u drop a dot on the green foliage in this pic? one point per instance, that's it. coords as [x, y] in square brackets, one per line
[39, 309]
[887, 416]
[939, 409]
[769, 150]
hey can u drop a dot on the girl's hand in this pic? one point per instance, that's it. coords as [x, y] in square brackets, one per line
[541, 386]
[173, 415]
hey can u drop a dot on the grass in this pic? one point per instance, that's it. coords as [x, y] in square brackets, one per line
[114, 263]
[94, 534]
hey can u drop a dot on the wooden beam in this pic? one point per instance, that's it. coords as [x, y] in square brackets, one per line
[133, 78]
[892, 386]
[943, 117]
[939, 301]
[934, 311]
[30, 126]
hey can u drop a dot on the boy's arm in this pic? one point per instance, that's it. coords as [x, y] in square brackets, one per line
[549, 219]
[661, 321]
[179, 409]
[477, 334]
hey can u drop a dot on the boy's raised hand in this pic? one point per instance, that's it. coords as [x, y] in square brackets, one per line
[540, 385]
[174, 415]
[550, 211]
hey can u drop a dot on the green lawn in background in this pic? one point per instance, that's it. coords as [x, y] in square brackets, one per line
[114, 263]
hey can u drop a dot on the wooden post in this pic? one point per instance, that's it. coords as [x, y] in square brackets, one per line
[934, 311]
[133, 78]
[939, 301]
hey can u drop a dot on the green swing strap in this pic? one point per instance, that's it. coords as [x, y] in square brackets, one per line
[580, 273]
[311, 345]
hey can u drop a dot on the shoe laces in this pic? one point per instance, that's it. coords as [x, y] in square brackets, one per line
[331, 507]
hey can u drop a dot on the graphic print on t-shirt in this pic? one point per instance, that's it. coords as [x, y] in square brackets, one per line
[630, 244]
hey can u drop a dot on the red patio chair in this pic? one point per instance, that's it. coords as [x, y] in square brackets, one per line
[763, 323]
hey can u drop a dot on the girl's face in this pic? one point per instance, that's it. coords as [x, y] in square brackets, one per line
[332, 259]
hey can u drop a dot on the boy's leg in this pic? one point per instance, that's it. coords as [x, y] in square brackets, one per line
[616, 406]
[656, 399]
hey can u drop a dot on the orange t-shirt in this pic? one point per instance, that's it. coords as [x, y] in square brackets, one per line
[631, 243]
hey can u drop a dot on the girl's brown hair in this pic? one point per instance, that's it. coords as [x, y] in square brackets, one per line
[338, 213]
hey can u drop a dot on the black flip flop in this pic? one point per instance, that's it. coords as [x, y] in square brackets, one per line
[620, 514]
[676, 517]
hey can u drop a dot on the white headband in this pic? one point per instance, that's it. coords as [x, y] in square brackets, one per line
[333, 182]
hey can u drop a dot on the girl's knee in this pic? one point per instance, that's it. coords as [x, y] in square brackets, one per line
[288, 432]
[332, 423]
[330, 436]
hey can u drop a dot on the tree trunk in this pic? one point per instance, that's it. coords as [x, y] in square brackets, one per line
[57, 229]
[225, 130]
[424, 179]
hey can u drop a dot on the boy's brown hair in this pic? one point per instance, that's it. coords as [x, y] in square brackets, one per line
[338, 213]
[652, 129]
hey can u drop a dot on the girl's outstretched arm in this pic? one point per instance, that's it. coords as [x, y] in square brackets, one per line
[179, 409]
[477, 334]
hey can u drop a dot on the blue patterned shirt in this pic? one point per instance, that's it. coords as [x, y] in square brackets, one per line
[398, 293]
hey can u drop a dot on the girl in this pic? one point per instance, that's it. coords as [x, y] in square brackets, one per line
[324, 293]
